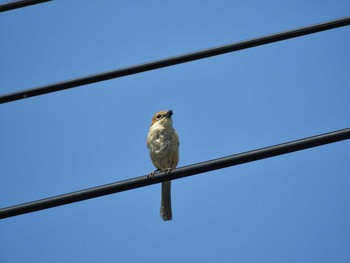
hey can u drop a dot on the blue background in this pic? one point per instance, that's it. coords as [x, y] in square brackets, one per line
[291, 208]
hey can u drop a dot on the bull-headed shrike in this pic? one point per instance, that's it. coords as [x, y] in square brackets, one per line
[163, 146]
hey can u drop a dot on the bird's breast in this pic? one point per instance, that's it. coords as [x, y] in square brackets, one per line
[163, 146]
[162, 141]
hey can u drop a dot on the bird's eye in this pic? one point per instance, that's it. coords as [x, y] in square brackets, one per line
[158, 116]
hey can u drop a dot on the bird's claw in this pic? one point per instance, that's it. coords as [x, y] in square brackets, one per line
[151, 174]
[167, 171]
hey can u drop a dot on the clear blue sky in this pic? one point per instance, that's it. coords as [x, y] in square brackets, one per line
[292, 208]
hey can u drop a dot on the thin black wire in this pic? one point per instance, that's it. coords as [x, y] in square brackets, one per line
[177, 173]
[174, 60]
[18, 4]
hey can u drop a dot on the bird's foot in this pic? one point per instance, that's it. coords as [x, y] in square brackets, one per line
[151, 174]
[167, 171]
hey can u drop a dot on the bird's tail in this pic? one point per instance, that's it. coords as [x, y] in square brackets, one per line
[165, 206]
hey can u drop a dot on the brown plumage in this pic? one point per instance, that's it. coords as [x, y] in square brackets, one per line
[163, 146]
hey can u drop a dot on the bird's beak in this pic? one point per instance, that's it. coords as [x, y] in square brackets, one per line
[169, 113]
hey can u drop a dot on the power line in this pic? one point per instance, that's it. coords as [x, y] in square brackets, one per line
[174, 60]
[177, 173]
[18, 4]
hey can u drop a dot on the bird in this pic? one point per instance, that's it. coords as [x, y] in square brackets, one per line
[163, 147]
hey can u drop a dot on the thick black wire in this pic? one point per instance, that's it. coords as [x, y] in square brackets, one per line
[18, 4]
[174, 60]
[177, 173]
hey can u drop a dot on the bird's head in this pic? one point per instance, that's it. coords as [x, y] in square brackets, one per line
[163, 118]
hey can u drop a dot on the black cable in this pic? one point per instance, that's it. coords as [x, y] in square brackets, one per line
[177, 173]
[174, 60]
[18, 4]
